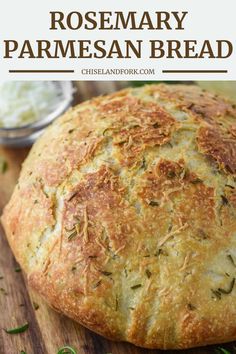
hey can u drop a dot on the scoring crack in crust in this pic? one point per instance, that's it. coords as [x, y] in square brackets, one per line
[145, 242]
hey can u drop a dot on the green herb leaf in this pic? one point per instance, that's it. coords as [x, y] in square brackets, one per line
[3, 165]
[191, 307]
[97, 284]
[153, 203]
[117, 303]
[106, 273]
[3, 291]
[171, 174]
[134, 287]
[72, 196]
[162, 252]
[219, 292]
[72, 235]
[36, 306]
[216, 293]
[224, 200]
[231, 259]
[17, 269]
[228, 291]
[22, 352]
[141, 83]
[17, 329]
[144, 164]
[222, 350]
[104, 131]
[148, 273]
[67, 350]
[156, 125]
[229, 186]
[196, 181]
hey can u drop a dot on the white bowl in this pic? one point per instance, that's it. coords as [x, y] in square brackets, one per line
[26, 135]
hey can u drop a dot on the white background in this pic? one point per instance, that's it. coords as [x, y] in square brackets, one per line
[27, 19]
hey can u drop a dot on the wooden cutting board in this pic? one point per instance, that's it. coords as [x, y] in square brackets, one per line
[48, 331]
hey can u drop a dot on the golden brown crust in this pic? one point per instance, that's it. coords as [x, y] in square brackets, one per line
[124, 216]
[222, 148]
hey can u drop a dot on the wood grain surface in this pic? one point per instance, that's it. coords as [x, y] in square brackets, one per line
[48, 331]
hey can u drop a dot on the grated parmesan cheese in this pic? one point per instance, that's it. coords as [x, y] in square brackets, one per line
[25, 102]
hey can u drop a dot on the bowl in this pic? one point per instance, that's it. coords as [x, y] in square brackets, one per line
[27, 134]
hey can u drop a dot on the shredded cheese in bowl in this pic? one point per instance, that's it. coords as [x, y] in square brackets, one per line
[26, 102]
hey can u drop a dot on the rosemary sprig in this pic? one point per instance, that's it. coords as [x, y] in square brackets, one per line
[231, 259]
[97, 284]
[72, 196]
[3, 291]
[36, 306]
[196, 181]
[72, 235]
[74, 231]
[216, 293]
[143, 164]
[229, 186]
[148, 273]
[117, 303]
[191, 307]
[3, 166]
[134, 287]
[106, 273]
[224, 200]
[67, 350]
[219, 292]
[153, 203]
[229, 290]
[171, 174]
[17, 329]
[222, 351]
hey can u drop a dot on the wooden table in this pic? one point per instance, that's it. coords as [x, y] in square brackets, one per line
[48, 331]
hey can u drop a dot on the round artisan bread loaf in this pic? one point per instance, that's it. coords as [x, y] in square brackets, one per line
[124, 217]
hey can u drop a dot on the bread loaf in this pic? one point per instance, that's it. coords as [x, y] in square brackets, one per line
[124, 216]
